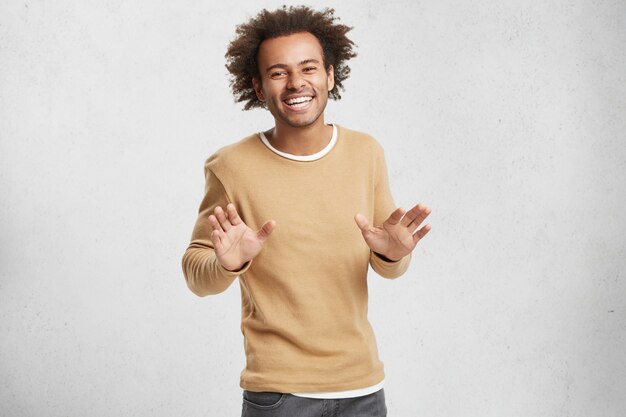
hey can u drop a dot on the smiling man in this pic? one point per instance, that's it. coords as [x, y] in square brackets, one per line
[299, 212]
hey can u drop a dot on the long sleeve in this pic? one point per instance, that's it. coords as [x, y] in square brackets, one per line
[202, 271]
[383, 207]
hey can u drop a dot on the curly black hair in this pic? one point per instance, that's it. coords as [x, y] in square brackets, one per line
[241, 57]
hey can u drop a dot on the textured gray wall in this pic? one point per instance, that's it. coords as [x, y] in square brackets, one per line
[507, 118]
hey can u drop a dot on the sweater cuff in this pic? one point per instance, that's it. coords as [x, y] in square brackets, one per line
[231, 274]
[388, 268]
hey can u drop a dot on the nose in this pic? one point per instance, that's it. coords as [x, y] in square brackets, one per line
[296, 81]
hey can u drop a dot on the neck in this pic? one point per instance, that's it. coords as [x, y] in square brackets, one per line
[300, 140]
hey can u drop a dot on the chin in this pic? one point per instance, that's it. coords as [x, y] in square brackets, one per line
[300, 123]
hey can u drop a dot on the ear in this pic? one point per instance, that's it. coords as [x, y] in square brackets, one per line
[330, 73]
[256, 85]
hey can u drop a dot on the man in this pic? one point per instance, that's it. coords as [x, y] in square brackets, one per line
[298, 213]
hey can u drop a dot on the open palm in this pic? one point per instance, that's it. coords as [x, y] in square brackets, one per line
[398, 235]
[234, 242]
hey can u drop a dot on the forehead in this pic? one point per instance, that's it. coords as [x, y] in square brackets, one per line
[289, 50]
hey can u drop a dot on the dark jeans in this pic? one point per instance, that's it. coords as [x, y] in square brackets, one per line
[274, 404]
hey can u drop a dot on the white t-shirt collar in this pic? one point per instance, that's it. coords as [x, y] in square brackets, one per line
[304, 158]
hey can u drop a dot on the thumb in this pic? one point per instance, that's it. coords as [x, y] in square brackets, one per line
[266, 230]
[361, 221]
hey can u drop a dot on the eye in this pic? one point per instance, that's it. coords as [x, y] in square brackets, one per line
[277, 74]
[310, 69]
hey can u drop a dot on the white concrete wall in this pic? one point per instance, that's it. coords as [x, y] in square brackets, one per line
[506, 117]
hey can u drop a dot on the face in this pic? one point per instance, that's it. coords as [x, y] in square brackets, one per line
[294, 83]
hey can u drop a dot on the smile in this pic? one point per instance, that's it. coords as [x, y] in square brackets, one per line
[298, 102]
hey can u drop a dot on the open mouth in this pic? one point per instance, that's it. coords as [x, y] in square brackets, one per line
[298, 102]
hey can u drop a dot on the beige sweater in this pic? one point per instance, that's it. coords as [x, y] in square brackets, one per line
[304, 297]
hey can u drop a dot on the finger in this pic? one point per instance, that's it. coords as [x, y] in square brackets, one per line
[412, 214]
[419, 219]
[266, 230]
[221, 217]
[233, 216]
[215, 225]
[396, 216]
[216, 238]
[421, 233]
[361, 221]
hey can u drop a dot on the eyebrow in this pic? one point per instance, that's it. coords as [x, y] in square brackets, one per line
[285, 66]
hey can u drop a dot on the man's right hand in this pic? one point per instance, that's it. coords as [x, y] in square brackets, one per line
[234, 242]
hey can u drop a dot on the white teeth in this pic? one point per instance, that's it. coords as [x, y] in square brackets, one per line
[298, 100]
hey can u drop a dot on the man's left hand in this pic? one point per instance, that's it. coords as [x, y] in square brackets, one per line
[398, 235]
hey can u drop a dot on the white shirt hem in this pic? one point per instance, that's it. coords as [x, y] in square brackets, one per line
[361, 392]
